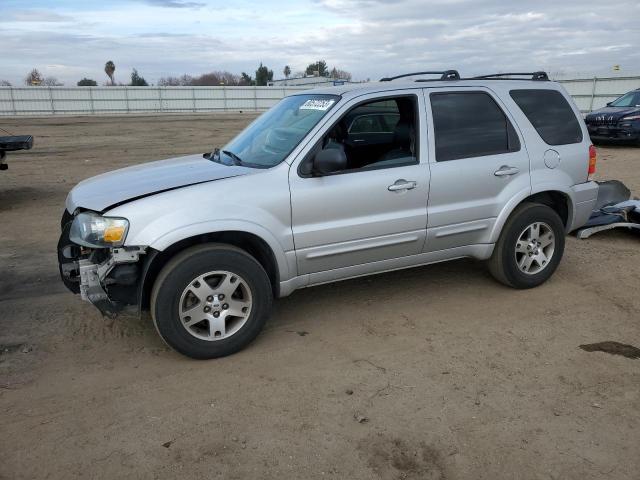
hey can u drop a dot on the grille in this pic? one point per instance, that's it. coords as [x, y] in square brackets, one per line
[603, 120]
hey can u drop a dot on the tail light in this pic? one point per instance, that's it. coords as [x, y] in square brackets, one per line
[592, 160]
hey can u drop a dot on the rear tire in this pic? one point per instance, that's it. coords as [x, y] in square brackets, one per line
[530, 247]
[211, 301]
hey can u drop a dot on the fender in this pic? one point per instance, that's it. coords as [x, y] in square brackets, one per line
[285, 260]
[523, 195]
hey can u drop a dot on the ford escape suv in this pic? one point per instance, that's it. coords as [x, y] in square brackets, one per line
[332, 184]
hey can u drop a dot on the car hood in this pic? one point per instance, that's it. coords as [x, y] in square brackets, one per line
[104, 191]
[611, 114]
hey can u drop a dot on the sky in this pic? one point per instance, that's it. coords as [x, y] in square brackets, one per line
[72, 39]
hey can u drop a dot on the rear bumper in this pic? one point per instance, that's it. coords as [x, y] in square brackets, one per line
[584, 196]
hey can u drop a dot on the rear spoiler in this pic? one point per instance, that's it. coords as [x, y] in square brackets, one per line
[13, 143]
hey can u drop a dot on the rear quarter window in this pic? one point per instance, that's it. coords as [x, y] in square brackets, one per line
[550, 114]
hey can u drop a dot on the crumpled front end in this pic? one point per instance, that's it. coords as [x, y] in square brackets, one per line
[107, 277]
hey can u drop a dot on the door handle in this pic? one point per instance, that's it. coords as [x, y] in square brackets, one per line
[402, 185]
[506, 170]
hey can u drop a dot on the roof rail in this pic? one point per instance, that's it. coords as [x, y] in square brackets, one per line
[444, 75]
[497, 76]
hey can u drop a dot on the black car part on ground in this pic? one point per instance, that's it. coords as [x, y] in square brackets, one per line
[11, 144]
[614, 209]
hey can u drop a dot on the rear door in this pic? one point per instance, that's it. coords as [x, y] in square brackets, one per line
[478, 163]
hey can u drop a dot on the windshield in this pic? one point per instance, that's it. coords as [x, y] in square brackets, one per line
[273, 135]
[631, 99]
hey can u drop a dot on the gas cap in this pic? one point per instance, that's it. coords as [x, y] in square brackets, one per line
[551, 158]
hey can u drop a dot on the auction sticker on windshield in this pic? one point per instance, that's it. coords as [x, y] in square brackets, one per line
[317, 104]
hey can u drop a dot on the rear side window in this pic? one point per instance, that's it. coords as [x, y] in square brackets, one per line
[470, 124]
[550, 114]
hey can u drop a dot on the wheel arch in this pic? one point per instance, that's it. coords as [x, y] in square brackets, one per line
[558, 199]
[253, 244]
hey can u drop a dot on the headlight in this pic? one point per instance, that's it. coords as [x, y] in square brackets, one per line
[632, 117]
[93, 230]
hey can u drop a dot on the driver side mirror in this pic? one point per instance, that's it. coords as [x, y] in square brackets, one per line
[328, 161]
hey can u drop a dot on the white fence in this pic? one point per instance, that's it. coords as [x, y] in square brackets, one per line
[594, 93]
[114, 100]
[589, 94]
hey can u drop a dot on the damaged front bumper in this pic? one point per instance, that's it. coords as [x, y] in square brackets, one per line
[106, 277]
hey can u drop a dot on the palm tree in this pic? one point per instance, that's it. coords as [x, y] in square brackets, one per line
[109, 69]
[287, 71]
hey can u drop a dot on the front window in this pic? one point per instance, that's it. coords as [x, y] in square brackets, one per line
[631, 99]
[273, 136]
[381, 133]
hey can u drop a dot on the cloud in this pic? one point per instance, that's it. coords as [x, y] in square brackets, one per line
[39, 16]
[175, 4]
[370, 38]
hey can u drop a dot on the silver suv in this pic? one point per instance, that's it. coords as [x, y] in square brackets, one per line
[331, 184]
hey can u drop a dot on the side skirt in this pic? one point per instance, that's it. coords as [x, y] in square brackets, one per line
[479, 252]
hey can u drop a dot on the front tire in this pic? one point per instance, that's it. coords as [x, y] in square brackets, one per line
[211, 301]
[530, 247]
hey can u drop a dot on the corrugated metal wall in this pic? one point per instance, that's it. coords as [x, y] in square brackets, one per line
[589, 94]
[594, 93]
[105, 100]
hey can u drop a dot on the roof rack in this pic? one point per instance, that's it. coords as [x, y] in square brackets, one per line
[498, 76]
[444, 75]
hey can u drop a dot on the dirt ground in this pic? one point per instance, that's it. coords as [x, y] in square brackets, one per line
[431, 373]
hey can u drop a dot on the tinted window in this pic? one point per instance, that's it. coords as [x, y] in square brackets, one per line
[550, 114]
[367, 124]
[470, 124]
[371, 123]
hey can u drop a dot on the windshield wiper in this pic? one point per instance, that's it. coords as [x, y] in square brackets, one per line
[236, 159]
[214, 155]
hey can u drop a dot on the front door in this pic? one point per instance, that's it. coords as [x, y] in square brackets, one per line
[376, 208]
[478, 164]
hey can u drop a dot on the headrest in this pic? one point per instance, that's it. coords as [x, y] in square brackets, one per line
[402, 133]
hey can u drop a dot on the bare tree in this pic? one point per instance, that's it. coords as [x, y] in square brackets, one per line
[110, 69]
[216, 78]
[182, 81]
[168, 81]
[287, 71]
[51, 82]
[340, 74]
[4, 83]
[34, 78]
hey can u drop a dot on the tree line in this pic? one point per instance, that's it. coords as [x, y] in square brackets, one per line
[261, 77]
